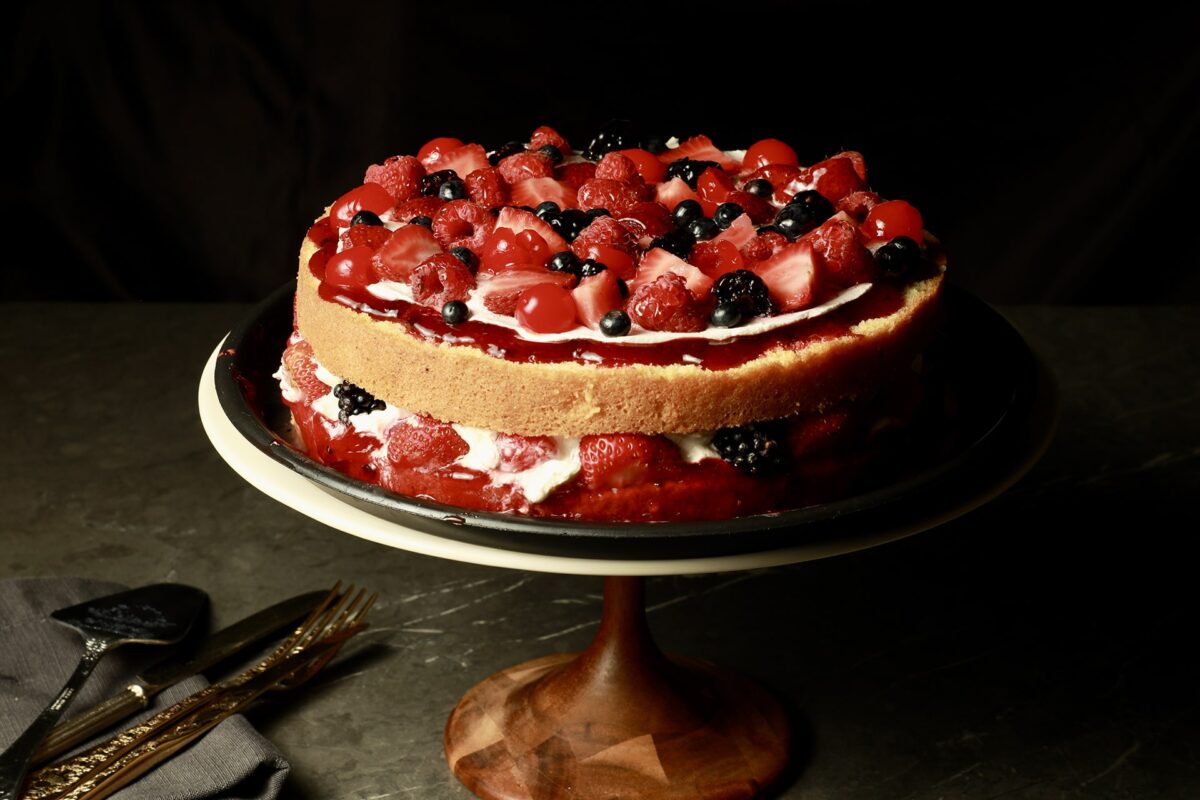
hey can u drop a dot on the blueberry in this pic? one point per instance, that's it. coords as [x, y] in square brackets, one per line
[726, 315]
[615, 323]
[803, 212]
[455, 312]
[596, 213]
[654, 143]
[503, 152]
[726, 213]
[768, 229]
[553, 153]
[465, 255]
[688, 169]
[677, 242]
[687, 212]
[431, 184]
[703, 229]
[616, 135]
[453, 189]
[759, 187]
[569, 223]
[426, 222]
[591, 267]
[898, 256]
[365, 217]
[548, 207]
[623, 287]
[566, 261]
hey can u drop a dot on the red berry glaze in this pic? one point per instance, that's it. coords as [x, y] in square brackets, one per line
[432, 150]
[891, 219]
[368, 197]
[768, 151]
[350, 269]
[546, 308]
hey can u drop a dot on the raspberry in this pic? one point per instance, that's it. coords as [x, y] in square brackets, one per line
[760, 211]
[399, 175]
[425, 443]
[486, 188]
[647, 218]
[461, 223]
[546, 135]
[616, 167]
[715, 258]
[856, 158]
[764, 246]
[372, 236]
[842, 253]
[576, 174]
[439, 279]
[834, 178]
[609, 194]
[667, 305]
[524, 166]
[300, 365]
[417, 207]
[859, 204]
[604, 231]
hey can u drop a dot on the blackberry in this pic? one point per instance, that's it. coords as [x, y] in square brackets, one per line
[898, 256]
[687, 212]
[688, 169]
[591, 267]
[365, 217]
[803, 212]
[569, 223]
[504, 151]
[355, 400]
[726, 213]
[616, 135]
[677, 242]
[566, 261]
[455, 311]
[615, 323]
[453, 189]
[423, 221]
[759, 187]
[750, 448]
[745, 291]
[431, 184]
[464, 254]
[551, 152]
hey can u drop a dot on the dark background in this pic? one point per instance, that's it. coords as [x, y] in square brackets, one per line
[178, 152]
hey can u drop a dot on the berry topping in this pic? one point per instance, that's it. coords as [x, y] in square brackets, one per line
[898, 256]
[616, 135]
[803, 212]
[601, 255]
[368, 197]
[439, 279]
[604, 193]
[551, 152]
[759, 210]
[834, 178]
[687, 212]
[891, 219]
[467, 258]
[546, 308]
[678, 242]
[546, 135]
[535, 191]
[423, 221]
[461, 223]
[567, 223]
[666, 305]
[501, 292]
[566, 262]
[714, 187]
[616, 167]
[768, 151]
[485, 188]
[646, 219]
[432, 150]
[615, 323]
[596, 296]
[365, 218]
[856, 159]
[717, 257]
[453, 189]
[504, 151]
[703, 229]
[399, 175]
[524, 166]
[604, 231]
[455, 312]
[759, 187]
[431, 184]
[764, 245]
[843, 257]
[726, 213]
[517, 220]
[646, 163]
[417, 207]
[673, 192]
[688, 170]
[423, 442]
[616, 460]
[739, 233]
[726, 316]
[372, 236]
[463, 160]
[350, 269]
[355, 400]
[750, 448]
[505, 250]
[700, 148]
[576, 174]
[743, 291]
[780, 176]
[791, 276]
[859, 204]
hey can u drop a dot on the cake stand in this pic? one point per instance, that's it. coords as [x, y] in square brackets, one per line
[621, 719]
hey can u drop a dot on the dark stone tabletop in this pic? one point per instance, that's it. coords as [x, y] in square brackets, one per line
[1039, 647]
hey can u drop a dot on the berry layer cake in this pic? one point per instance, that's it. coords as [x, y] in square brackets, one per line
[643, 330]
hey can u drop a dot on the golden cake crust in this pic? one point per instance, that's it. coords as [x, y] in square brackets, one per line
[467, 386]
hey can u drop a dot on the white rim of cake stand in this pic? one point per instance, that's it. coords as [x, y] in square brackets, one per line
[301, 494]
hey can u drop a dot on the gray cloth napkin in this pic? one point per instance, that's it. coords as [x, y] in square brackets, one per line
[36, 656]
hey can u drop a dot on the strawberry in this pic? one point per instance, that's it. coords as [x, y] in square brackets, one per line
[739, 233]
[403, 251]
[417, 207]
[791, 276]
[535, 191]
[432, 150]
[616, 460]
[608, 194]
[400, 175]
[461, 223]
[606, 231]
[486, 188]
[647, 164]
[834, 178]
[425, 443]
[761, 212]
[518, 219]
[463, 160]
[372, 236]
[673, 192]
[646, 219]
[616, 167]
[439, 279]
[546, 135]
[657, 262]
[576, 174]
[665, 304]
[700, 148]
[842, 255]
[300, 365]
[859, 204]
[779, 176]
[617, 261]
[501, 293]
[856, 158]
[595, 296]
[715, 257]
[523, 166]
[519, 453]
[764, 246]
[714, 185]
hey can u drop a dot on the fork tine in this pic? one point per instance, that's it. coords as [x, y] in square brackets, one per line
[317, 628]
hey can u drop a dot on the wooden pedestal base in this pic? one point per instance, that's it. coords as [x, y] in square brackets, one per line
[620, 720]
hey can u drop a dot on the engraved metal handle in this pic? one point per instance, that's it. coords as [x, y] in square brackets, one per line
[101, 717]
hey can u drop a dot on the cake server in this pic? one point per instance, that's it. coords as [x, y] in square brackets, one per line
[158, 614]
[168, 671]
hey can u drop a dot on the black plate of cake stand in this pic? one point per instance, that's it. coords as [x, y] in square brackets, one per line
[1004, 406]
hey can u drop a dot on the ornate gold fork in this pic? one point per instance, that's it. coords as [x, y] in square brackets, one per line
[100, 771]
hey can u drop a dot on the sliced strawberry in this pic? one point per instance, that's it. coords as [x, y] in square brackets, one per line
[595, 296]
[417, 207]
[372, 236]
[648, 166]
[761, 212]
[576, 174]
[518, 219]
[501, 293]
[302, 367]
[616, 167]
[523, 166]
[400, 175]
[779, 176]
[714, 185]
[764, 246]
[439, 279]
[617, 460]
[463, 160]
[461, 223]
[659, 262]
[843, 257]
[673, 192]
[645, 220]
[791, 276]
[486, 188]
[739, 233]
[425, 443]
[432, 150]
[519, 453]
[810, 434]
[856, 158]
[403, 251]
[546, 135]
[605, 231]
[608, 194]
[700, 148]
[666, 304]
[714, 258]
[859, 204]
[505, 250]
[535, 191]
[834, 178]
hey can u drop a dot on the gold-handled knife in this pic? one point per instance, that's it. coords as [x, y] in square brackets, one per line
[136, 696]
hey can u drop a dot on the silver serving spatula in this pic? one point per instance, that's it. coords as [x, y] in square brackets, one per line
[157, 614]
